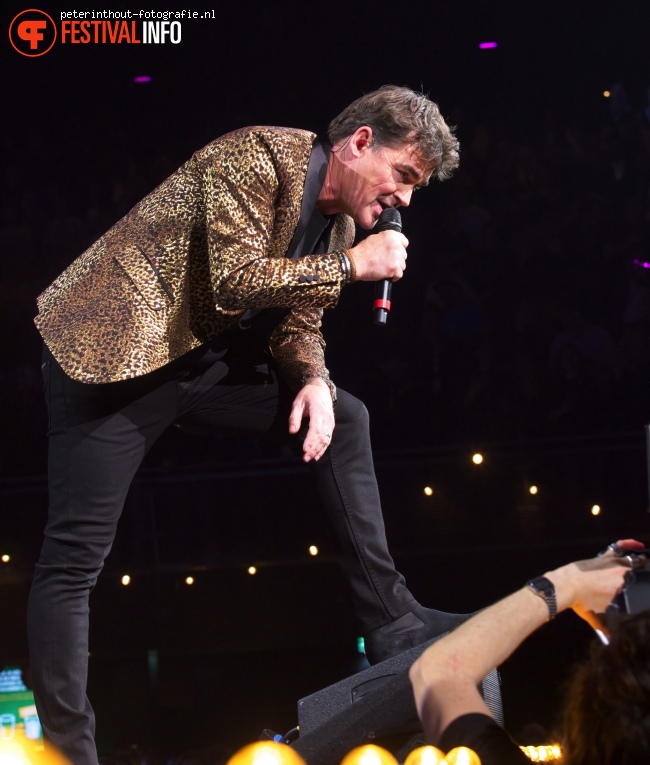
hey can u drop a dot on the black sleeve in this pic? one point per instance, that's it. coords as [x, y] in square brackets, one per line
[482, 734]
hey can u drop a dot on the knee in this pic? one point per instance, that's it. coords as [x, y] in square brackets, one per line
[79, 560]
[351, 411]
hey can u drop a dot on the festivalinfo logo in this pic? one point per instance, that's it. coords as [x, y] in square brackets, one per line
[33, 32]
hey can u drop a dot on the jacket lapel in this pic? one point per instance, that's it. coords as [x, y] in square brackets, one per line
[316, 170]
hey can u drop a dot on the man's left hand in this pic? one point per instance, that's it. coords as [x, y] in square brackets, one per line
[314, 401]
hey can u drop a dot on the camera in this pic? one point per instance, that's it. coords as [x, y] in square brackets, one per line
[635, 595]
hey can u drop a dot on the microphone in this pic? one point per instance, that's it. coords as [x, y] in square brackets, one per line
[389, 220]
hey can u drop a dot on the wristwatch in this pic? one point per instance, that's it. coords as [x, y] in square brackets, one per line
[545, 589]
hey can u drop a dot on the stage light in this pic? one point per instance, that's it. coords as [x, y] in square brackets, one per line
[606, 93]
[369, 754]
[266, 753]
[6, 558]
[477, 458]
[461, 755]
[142, 78]
[252, 570]
[126, 579]
[313, 550]
[12, 753]
[426, 755]
[487, 45]
[21, 750]
[542, 753]
[189, 580]
[533, 489]
[428, 491]
[595, 510]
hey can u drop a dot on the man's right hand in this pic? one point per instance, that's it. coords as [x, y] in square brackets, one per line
[380, 256]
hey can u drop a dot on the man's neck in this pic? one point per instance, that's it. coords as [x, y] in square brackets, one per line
[329, 202]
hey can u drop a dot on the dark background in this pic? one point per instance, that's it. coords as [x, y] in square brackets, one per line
[517, 268]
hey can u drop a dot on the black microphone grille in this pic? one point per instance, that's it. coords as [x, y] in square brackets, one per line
[389, 220]
[390, 215]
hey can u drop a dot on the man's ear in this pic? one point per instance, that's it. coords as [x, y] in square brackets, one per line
[360, 140]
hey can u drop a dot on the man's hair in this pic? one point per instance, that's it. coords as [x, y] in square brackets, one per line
[400, 115]
[607, 708]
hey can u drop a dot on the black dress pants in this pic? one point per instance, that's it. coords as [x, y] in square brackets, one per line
[98, 437]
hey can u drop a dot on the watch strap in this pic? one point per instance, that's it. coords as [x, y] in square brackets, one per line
[545, 589]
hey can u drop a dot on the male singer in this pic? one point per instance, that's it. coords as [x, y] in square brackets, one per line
[201, 308]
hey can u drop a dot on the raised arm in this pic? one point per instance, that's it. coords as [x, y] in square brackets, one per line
[445, 678]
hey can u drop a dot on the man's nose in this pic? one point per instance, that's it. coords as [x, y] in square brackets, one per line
[403, 197]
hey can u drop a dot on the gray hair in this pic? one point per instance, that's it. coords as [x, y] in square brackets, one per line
[400, 115]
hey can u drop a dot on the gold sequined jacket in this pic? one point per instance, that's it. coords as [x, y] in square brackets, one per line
[189, 259]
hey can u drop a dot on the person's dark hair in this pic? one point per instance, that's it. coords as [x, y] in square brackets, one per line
[397, 114]
[606, 717]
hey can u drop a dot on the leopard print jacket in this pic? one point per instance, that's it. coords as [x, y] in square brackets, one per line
[189, 259]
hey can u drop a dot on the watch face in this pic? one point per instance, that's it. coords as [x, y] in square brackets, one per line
[545, 589]
[542, 584]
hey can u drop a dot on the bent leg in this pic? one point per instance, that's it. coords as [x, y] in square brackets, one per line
[392, 620]
[254, 399]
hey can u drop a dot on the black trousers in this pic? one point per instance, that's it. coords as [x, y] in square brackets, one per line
[98, 436]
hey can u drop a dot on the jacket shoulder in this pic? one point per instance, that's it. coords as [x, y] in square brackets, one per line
[277, 156]
[275, 139]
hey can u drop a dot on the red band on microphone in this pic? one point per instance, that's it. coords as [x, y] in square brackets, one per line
[382, 303]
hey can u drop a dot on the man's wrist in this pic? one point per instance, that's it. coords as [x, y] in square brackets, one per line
[326, 380]
[348, 265]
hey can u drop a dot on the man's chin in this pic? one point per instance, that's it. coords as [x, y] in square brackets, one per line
[368, 222]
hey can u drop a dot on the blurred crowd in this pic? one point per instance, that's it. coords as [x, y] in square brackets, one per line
[530, 318]
[534, 318]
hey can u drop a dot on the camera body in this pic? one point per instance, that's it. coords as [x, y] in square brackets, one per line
[635, 595]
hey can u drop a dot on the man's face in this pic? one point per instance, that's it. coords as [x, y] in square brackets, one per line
[378, 178]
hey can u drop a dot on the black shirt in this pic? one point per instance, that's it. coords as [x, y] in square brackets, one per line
[482, 734]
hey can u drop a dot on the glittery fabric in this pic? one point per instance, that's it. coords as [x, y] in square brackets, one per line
[187, 261]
